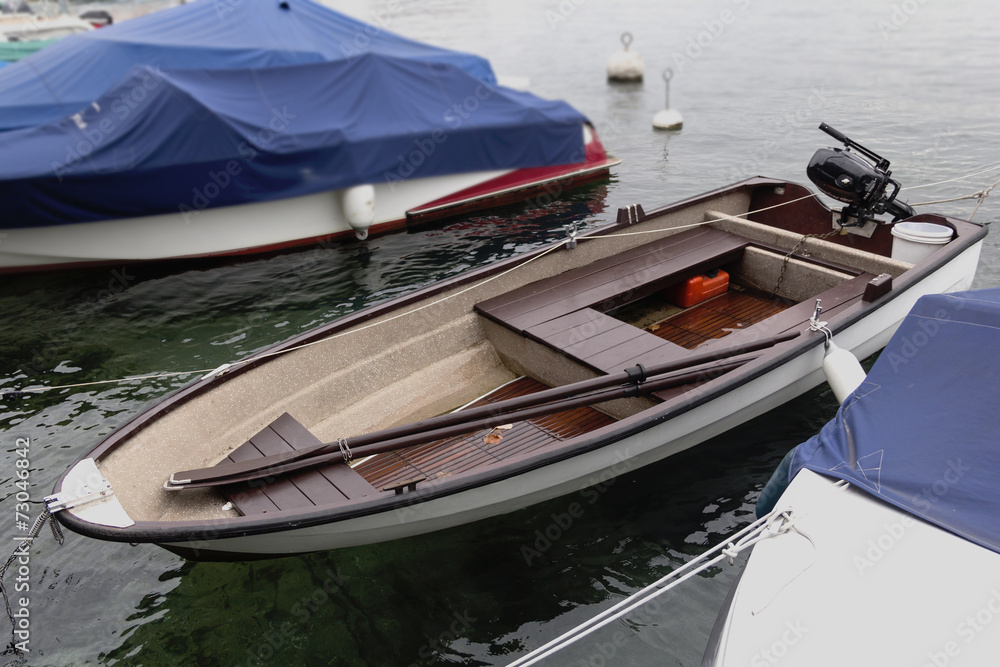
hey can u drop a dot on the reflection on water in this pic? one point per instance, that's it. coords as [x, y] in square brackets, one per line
[921, 94]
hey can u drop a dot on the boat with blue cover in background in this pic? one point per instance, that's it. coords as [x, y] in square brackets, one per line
[230, 128]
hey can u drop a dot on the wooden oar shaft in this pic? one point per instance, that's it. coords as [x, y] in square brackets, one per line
[599, 396]
[228, 470]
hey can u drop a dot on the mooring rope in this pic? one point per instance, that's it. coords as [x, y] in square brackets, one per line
[7, 395]
[763, 528]
[776, 522]
[981, 196]
[21, 550]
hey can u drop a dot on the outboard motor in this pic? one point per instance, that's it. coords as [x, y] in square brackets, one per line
[859, 179]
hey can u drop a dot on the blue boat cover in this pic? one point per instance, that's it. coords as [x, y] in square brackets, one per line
[183, 140]
[205, 34]
[925, 423]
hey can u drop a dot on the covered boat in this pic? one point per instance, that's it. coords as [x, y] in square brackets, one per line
[515, 383]
[215, 128]
[888, 537]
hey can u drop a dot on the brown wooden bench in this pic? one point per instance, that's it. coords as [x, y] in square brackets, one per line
[566, 312]
[326, 485]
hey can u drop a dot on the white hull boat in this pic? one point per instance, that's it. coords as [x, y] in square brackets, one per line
[148, 141]
[512, 384]
[885, 545]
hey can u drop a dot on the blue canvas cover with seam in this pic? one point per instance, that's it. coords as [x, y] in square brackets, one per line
[66, 76]
[164, 141]
[925, 422]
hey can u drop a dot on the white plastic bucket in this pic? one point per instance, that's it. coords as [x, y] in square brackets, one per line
[914, 242]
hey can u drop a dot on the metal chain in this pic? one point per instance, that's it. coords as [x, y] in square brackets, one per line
[784, 263]
[22, 550]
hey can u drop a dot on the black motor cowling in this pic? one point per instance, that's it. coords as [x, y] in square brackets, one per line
[859, 179]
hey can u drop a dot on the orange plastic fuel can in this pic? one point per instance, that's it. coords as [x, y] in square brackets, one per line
[699, 288]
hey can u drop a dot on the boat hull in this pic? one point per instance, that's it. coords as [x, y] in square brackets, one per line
[805, 599]
[863, 309]
[251, 228]
[773, 387]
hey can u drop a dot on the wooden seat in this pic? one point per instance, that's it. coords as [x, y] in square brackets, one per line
[330, 484]
[602, 342]
[567, 312]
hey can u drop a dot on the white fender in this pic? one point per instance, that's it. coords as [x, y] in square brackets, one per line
[359, 208]
[843, 371]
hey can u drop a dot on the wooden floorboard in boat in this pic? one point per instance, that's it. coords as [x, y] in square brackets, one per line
[463, 453]
[717, 317]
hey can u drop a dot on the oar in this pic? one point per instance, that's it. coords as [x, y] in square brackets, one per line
[227, 470]
[663, 382]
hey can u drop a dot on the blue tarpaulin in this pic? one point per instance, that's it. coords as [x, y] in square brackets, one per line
[206, 34]
[924, 425]
[180, 140]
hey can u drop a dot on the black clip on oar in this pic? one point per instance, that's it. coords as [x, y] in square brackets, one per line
[636, 376]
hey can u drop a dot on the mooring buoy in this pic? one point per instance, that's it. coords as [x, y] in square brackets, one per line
[667, 118]
[625, 65]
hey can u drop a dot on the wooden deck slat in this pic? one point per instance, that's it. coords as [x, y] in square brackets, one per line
[623, 334]
[285, 496]
[542, 290]
[567, 312]
[642, 280]
[603, 281]
[717, 317]
[468, 452]
[330, 484]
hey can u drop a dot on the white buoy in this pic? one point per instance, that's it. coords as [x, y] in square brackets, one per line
[625, 65]
[843, 371]
[667, 118]
[359, 208]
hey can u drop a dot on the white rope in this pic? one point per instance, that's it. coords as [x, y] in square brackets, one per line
[952, 180]
[755, 532]
[265, 355]
[696, 224]
[556, 246]
[777, 522]
[981, 196]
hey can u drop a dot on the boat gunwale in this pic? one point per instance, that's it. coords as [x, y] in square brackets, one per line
[195, 388]
[968, 234]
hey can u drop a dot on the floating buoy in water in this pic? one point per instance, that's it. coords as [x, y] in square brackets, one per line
[843, 371]
[667, 118]
[625, 65]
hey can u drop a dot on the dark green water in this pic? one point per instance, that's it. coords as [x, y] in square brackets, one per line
[917, 86]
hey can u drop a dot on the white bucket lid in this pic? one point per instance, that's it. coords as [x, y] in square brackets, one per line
[922, 232]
